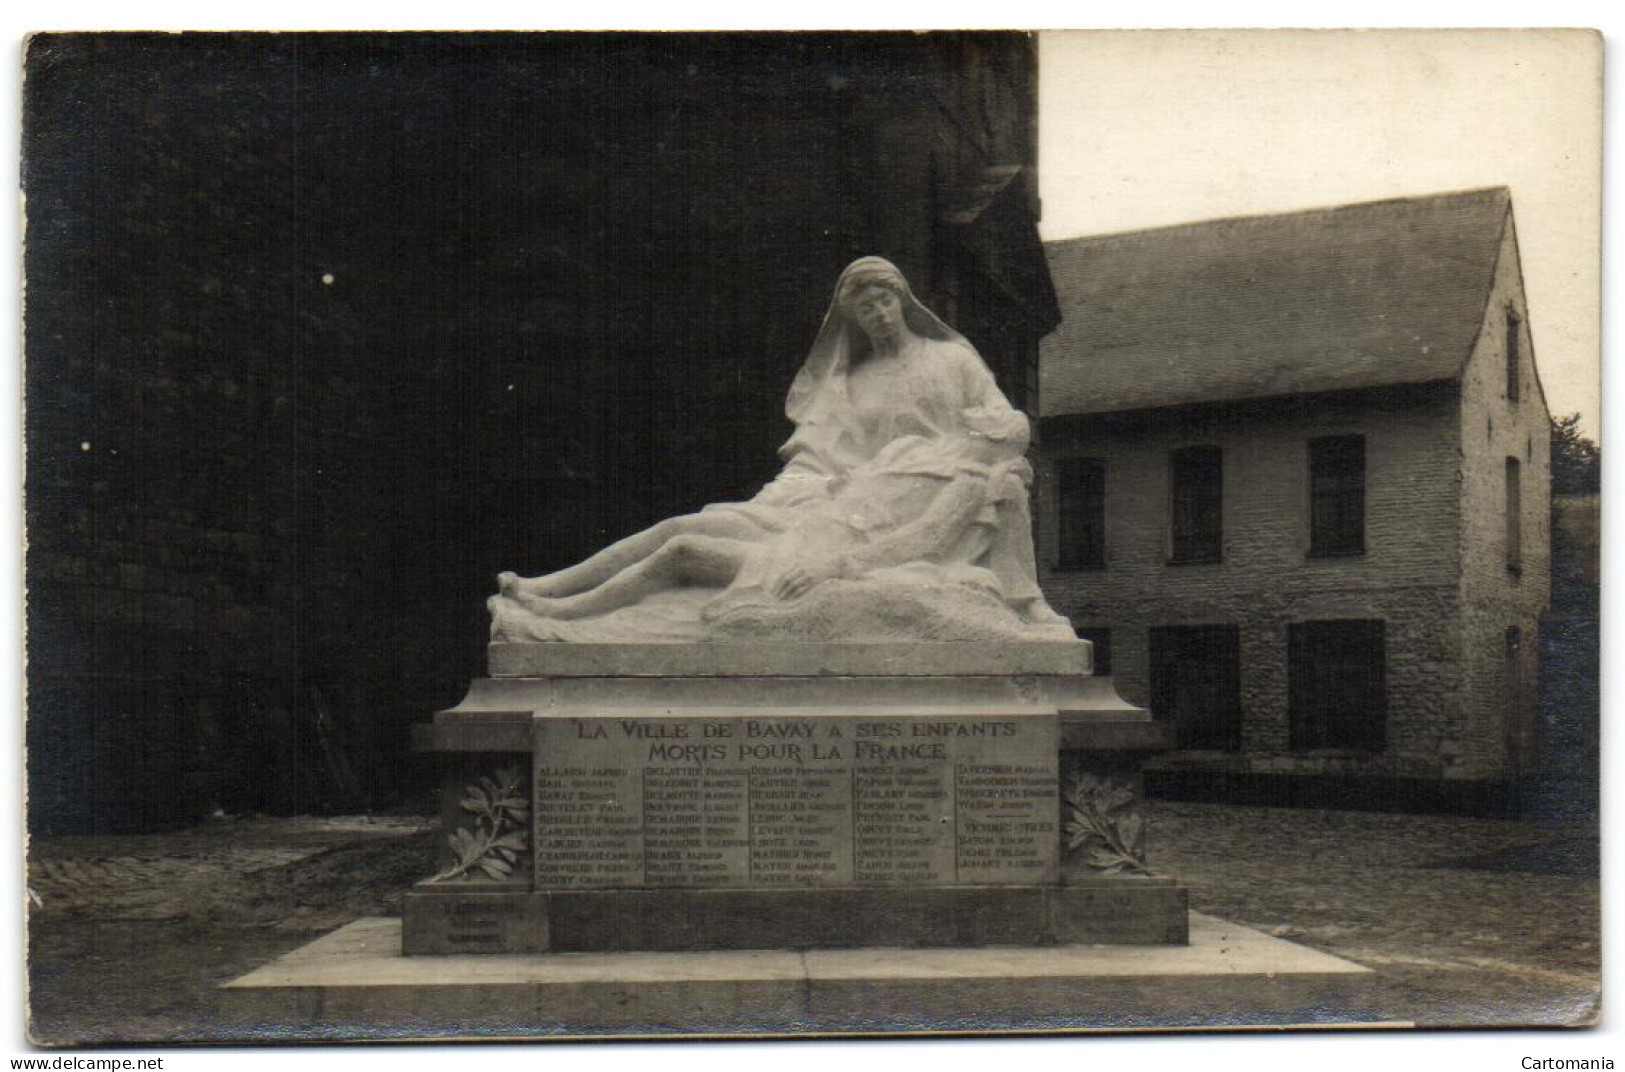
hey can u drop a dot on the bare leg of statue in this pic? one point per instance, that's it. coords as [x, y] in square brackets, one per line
[621, 556]
[708, 561]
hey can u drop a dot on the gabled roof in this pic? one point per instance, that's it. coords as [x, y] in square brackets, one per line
[1368, 295]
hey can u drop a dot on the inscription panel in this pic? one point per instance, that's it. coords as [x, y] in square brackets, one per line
[451, 921]
[776, 799]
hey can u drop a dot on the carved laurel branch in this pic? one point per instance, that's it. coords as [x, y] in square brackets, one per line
[499, 833]
[1104, 821]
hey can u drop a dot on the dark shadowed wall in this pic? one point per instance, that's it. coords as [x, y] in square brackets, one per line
[325, 330]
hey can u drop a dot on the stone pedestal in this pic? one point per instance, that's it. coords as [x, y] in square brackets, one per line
[674, 797]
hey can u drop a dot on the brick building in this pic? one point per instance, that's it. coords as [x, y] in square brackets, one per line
[1296, 486]
[324, 330]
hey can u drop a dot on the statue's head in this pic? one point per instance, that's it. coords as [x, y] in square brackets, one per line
[873, 295]
[875, 300]
[868, 272]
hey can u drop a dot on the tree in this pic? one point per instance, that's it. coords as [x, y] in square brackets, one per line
[1576, 460]
[1576, 471]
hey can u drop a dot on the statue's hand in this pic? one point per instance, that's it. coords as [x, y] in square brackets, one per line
[799, 578]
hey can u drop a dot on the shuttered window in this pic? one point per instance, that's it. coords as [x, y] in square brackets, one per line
[1081, 505]
[1337, 495]
[1514, 340]
[1197, 529]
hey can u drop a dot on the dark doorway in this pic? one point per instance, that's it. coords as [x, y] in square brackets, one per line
[1337, 685]
[1196, 684]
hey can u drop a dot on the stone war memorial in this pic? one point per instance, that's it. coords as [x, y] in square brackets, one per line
[836, 720]
[837, 715]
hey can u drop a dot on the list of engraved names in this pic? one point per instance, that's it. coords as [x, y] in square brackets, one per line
[793, 799]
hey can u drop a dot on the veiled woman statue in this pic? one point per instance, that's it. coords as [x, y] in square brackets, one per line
[901, 512]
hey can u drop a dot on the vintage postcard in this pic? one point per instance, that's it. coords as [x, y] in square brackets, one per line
[603, 535]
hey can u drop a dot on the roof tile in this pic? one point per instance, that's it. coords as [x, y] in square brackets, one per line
[1366, 295]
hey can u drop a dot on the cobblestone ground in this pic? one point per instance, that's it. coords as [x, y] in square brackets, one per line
[1466, 921]
[153, 877]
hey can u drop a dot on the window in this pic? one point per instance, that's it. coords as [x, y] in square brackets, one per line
[1196, 684]
[1521, 728]
[1197, 477]
[1081, 505]
[1337, 495]
[1514, 337]
[1337, 685]
[1101, 638]
[1514, 517]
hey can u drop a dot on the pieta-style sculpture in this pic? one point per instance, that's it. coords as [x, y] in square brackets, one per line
[840, 714]
[901, 512]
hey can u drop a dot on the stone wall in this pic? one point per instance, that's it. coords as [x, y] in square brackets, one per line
[1409, 576]
[1500, 668]
[325, 330]
[208, 473]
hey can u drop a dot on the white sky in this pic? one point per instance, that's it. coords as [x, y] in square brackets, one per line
[1142, 129]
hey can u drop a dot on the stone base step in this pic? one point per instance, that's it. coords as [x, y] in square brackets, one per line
[355, 984]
